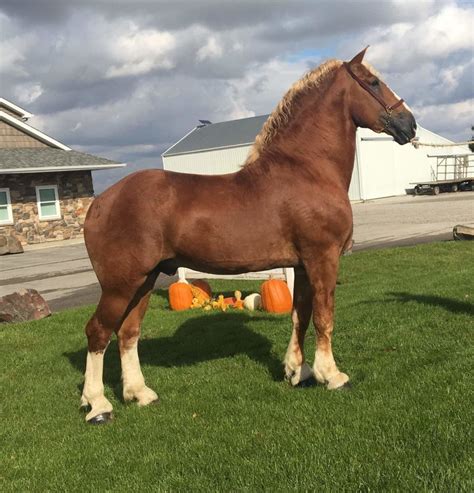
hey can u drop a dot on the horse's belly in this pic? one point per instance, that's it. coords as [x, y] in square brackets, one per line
[238, 261]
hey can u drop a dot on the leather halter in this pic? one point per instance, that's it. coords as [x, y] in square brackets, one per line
[364, 85]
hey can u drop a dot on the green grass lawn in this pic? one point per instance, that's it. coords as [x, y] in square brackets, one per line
[227, 421]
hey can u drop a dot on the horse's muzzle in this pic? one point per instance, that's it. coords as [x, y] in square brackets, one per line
[402, 127]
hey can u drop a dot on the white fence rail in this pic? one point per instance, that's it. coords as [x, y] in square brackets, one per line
[287, 274]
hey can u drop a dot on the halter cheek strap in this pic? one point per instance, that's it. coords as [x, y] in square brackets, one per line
[388, 109]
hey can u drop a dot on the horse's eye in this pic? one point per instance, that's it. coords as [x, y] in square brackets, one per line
[375, 83]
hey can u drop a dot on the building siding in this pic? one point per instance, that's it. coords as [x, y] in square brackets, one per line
[11, 137]
[75, 192]
[219, 161]
[389, 169]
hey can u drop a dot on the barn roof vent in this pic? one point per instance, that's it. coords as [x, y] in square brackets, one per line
[204, 123]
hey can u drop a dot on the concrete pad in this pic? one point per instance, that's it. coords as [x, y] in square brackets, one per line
[410, 219]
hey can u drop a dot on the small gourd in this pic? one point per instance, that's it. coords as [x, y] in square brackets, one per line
[200, 295]
[196, 303]
[252, 302]
[220, 304]
[238, 303]
[203, 286]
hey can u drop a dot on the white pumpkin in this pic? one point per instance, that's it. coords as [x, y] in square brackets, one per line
[253, 302]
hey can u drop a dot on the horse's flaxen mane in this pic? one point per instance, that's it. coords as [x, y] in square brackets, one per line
[282, 114]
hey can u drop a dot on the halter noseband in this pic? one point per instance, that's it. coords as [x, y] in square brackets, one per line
[364, 85]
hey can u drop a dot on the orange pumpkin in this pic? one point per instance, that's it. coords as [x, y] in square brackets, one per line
[230, 300]
[180, 296]
[204, 287]
[276, 297]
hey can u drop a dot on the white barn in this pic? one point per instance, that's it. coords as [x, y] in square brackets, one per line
[382, 168]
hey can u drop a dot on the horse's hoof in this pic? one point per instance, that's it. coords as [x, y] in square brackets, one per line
[309, 382]
[85, 408]
[302, 377]
[347, 387]
[101, 419]
[289, 376]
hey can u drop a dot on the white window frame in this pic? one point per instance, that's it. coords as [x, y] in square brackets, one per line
[38, 202]
[9, 221]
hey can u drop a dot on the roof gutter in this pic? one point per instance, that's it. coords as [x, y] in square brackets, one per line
[51, 169]
[15, 108]
[176, 143]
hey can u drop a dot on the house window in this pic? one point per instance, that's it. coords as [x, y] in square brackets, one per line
[6, 216]
[48, 202]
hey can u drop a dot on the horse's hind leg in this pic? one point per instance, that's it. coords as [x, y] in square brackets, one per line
[99, 329]
[133, 382]
[297, 371]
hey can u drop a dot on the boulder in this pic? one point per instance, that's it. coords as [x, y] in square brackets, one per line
[10, 244]
[23, 305]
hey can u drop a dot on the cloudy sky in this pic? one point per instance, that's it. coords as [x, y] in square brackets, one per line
[126, 79]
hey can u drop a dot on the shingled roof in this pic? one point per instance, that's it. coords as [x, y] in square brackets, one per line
[36, 160]
[233, 133]
[25, 149]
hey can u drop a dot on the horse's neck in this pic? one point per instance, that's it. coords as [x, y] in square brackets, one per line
[323, 134]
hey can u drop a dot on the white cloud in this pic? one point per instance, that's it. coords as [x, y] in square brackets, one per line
[262, 87]
[27, 93]
[210, 50]
[404, 46]
[451, 120]
[14, 47]
[141, 51]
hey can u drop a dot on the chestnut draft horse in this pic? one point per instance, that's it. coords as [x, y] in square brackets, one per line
[290, 208]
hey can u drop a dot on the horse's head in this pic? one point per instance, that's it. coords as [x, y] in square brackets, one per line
[374, 105]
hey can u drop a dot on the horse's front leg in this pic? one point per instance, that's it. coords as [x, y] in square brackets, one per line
[297, 371]
[323, 276]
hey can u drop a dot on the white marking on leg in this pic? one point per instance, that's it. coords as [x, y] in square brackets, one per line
[326, 371]
[296, 369]
[133, 382]
[93, 393]
[300, 374]
[291, 361]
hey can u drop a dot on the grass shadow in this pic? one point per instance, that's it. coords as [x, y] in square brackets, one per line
[206, 338]
[162, 295]
[198, 339]
[454, 306]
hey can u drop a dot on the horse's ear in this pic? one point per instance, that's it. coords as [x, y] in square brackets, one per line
[359, 57]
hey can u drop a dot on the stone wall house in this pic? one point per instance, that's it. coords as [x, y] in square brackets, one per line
[45, 186]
